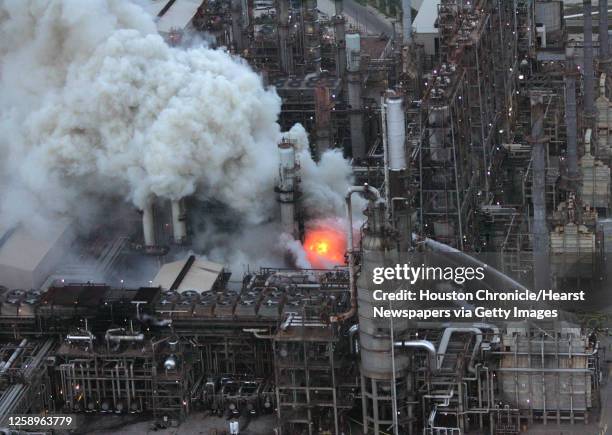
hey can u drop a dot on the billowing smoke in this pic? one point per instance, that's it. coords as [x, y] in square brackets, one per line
[94, 104]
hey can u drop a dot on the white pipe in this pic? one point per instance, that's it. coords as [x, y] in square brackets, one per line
[448, 332]
[396, 133]
[422, 344]
[109, 336]
[14, 356]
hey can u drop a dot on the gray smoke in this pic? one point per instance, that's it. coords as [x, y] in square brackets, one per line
[94, 104]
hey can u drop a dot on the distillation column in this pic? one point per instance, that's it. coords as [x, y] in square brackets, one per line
[287, 187]
[571, 122]
[589, 74]
[541, 243]
[312, 42]
[237, 24]
[407, 21]
[353, 67]
[339, 34]
[286, 56]
[397, 169]
[604, 42]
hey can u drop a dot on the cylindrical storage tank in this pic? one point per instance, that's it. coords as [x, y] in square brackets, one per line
[179, 227]
[148, 224]
[353, 49]
[396, 133]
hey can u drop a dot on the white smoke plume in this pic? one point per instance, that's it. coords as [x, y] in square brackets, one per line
[94, 104]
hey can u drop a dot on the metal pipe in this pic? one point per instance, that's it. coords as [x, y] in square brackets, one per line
[589, 80]
[604, 41]
[448, 332]
[354, 343]
[422, 344]
[117, 338]
[14, 356]
[495, 329]
[374, 195]
[407, 21]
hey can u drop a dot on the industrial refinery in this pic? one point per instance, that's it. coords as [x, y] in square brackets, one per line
[306, 217]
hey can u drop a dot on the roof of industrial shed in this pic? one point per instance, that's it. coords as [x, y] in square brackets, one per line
[426, 18]
[21, 249]
[178, 16]
[201, 275]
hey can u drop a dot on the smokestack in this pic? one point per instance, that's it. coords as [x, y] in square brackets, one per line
[339, 33]
[541, 260]
[407, 21]
[148, 224]
[286, 57]
[353, 61]
[570, 121]
[287, 187]
[589, 80]
[179, 226]
[604, 48]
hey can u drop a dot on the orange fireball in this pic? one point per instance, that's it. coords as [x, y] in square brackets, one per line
[325, 247]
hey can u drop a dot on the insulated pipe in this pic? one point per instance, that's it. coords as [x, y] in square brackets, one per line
[14, 356]
[148, 224]
[179, 227]
[589, 80]
[422, 344]
[448, 332]
[407, 21]
[489, 326]
[352, 341]
[374, 195]
[117, 338]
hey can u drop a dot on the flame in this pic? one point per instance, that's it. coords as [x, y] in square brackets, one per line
[325, 246]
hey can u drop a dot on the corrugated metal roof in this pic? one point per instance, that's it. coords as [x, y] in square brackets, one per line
[178, 16]
[24, 251]
[426, 17]
[201, 276]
